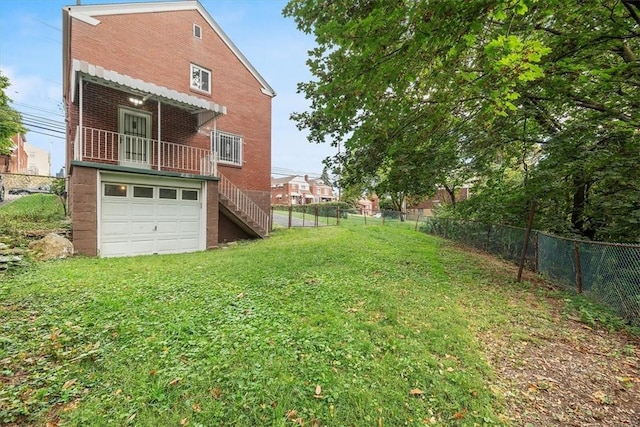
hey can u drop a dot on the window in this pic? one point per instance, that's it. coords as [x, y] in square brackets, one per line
[197, 31]
[116, 190]
[200, 79]
[228, 147]
[168, 193]
[143, 192]
[189, 194]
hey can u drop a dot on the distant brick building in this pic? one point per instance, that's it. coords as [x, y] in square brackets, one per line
[299, 190]
[17, 160]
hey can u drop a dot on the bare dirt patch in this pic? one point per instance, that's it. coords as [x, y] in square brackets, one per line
[560, 372]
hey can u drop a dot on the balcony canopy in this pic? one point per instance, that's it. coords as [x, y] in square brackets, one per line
[144, 90]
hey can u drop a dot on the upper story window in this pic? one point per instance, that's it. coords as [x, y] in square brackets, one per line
[200, 79]
[197, 31]
[228, 147]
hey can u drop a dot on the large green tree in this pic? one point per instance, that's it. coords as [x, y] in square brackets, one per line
[10, 119]
[424, 93]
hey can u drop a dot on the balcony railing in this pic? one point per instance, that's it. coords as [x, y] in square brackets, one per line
[102, 146]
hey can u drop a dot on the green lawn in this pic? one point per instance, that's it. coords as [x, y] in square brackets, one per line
[336, 326]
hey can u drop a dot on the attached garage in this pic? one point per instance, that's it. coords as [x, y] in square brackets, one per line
[150, 215]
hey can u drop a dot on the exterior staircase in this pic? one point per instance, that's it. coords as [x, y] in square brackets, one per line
[243, 211]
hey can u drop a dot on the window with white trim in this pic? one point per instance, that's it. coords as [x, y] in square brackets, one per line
[228, 147]
[200, 79]
[197, 31]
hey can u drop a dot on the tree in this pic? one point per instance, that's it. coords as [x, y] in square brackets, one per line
[424, 94]
[10, 119]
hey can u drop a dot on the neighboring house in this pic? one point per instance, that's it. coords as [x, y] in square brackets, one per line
[299, 190]
[427, 206]
[321, 191]
[38, 160]
[290, 190]
[16, 161]
[365, 206]
[169, 131]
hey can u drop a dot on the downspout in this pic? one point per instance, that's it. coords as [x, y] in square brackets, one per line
[159, 135]
[215, 145]
[80, 138]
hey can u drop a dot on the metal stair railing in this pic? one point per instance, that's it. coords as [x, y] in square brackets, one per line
[243, 203]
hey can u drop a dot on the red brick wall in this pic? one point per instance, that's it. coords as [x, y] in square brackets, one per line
[229, 231]
[159, 48]
[212, 214]
[83, 199]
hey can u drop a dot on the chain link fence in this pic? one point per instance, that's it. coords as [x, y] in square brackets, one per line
[319, 215]
[608, 273]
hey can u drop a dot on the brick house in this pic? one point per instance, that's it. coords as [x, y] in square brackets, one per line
[168, 131]
[299, 190]
[425, 207]
[16, 161]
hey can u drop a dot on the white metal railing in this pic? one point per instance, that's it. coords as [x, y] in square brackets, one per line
[243, 203]
[104, 146]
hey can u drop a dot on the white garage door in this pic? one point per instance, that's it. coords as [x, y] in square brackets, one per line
[150, 218]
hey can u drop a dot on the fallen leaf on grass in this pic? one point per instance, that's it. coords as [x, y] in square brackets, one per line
[216, 393]
[318, 394]
[197, 407]
[291, 414]
[460, 415]
[416, 392]
[184, 422]
[69, 384]
[174, 381]
[132, 417]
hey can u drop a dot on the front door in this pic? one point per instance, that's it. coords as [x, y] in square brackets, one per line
[135, 131]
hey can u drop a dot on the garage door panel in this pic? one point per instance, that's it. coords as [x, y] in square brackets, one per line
[115, 228]
[189, 227]
[166, 210]
[115, 210]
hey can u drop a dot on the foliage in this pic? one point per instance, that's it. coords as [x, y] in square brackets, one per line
[35, 212]
[59, 188]
[431, 94]
[10, 119]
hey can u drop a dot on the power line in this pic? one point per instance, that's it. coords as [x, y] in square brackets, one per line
[33, 107]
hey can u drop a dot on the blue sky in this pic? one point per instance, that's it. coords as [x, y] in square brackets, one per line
[31, 56]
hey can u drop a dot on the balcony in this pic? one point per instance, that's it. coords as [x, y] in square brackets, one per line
[102, 146]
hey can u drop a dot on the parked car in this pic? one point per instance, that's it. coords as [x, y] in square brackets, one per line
[30, 190]
[1, 189]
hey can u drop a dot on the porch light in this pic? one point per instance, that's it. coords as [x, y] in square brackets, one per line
[136, 101]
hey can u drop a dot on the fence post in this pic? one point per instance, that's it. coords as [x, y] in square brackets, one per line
[382, 211]
[338, 216]
[271, 221]
[532, 210]
[486, 246]
[364, 214]
[290, 213]
[576, 249]
[417, 219]
[304, 211]
[535, 253]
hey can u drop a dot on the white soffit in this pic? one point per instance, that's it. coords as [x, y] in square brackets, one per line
[87, 13]
[122, 80]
